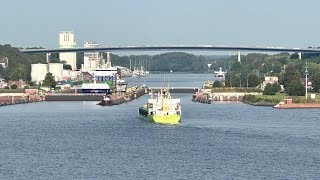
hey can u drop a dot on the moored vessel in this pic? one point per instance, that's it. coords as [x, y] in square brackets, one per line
[95, 88]
[219, 73]
[161, 108]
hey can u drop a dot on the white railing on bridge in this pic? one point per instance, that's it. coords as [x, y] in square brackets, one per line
[194, 88]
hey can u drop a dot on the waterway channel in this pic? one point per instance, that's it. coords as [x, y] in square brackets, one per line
[80, 140]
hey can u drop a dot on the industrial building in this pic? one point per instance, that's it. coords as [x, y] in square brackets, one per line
[57, 70]
[39, 71]
[67, 40]
[92, 59]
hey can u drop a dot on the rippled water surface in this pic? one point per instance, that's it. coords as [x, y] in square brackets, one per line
[80, 140]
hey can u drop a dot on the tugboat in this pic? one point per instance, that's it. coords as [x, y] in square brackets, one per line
[161, 108]
[110, 100]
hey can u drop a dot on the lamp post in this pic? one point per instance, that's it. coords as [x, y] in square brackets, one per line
[306, 72]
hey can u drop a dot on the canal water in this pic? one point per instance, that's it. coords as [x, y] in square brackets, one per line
[80, 140]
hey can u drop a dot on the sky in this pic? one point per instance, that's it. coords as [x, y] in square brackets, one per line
[275, 23]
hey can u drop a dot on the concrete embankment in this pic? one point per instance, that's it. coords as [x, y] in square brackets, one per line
[261, 103]
[18, 98]
[208, 97]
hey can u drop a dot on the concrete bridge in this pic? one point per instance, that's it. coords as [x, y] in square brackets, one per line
[177, 48]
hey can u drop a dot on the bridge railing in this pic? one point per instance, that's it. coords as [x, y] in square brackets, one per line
[194, 88]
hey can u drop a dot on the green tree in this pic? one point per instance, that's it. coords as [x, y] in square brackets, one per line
[20, 71]
[19, 63]
[253, 80]
[49, 81]
[200, 65]
[231, 79]
[291, 75]
[2, 72]
[315, 79]
[13, 86]
[271, 89]
[236, 67]
[80, 60]
[217, 83]
[296, 88]
[66, 65]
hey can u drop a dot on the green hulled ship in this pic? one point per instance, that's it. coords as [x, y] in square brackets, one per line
[161, 108]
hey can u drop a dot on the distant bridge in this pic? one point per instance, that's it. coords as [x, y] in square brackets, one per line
[175, 48]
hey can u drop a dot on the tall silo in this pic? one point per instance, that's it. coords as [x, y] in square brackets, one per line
[38, 72]
[57, 70]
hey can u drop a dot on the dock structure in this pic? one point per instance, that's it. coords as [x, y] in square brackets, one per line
[175, 89]
[74, 97]
[93, 96]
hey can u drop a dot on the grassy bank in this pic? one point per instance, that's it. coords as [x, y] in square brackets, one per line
[232, 89]
[279, 97]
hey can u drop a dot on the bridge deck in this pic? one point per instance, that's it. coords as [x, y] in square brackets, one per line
[175, 48]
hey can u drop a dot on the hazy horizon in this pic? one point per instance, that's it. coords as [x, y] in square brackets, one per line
[111, 23]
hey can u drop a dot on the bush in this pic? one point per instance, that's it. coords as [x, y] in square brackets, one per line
[251, 98]
[13, 86]
[217, 84]
[271, 89]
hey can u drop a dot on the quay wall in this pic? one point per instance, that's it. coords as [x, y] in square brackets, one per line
[90, 97]
[230, 96]
[18, 98]
[73, 97]
[208, 97]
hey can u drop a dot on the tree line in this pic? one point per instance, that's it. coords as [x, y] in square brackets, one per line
[254, 67]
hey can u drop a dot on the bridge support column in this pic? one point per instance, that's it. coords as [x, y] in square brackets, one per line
[239, 56]
[299, 55]
[108, 59]
[48, 57]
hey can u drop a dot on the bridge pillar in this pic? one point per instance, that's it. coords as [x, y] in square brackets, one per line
[299, 55]
[48, 57]
[108, 59]
[239, 56]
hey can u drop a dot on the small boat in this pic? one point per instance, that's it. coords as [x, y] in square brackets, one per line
[219, 73]
[112, 100]
[161, 108]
